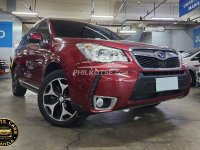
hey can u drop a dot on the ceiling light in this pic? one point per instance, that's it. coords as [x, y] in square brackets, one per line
[160, 18]
[154, 29]
[108, 17]
[127, 32]
[24, 13]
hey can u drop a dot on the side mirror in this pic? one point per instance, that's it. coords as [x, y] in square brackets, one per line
[35, 37]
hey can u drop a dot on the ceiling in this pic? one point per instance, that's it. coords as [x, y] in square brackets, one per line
[81, 10]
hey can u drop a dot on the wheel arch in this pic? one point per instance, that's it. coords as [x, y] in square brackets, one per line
[51, 67]
[191, 72]
[193, 77]
[13, 64]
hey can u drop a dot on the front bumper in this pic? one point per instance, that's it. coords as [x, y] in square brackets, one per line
[133, 89]
[145, 87]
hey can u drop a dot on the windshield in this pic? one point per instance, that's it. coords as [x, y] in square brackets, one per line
[72, 29]
[190, 53]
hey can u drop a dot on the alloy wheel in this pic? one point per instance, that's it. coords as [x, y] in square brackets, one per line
[56, 100]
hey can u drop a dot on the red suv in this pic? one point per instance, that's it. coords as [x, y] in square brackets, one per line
[79, 69]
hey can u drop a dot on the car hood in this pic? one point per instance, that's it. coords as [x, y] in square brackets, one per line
[121, 44]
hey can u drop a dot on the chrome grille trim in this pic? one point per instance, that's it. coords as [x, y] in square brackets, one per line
[153, 54]
[148, 59]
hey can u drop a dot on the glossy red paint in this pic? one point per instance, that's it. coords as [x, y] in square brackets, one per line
[1, 72]
[33, 61]
[35, 36]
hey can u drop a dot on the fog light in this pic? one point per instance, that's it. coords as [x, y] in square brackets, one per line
[104, 103]
[99, 102]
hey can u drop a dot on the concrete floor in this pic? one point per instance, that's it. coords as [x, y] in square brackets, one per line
[173, 125]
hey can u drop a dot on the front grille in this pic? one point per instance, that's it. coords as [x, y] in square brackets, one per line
[162, 73]
[136, 96]
[151, 62]
[145, 86]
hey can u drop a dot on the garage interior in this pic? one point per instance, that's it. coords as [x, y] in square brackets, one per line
[171, 125]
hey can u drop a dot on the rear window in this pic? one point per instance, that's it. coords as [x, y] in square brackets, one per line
[72, 29]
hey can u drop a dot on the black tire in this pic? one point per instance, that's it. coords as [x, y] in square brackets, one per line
[17, 89]
[192, 74]
[150, 106]
[53, 100]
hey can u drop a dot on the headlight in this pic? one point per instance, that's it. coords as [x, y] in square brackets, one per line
[101, 53]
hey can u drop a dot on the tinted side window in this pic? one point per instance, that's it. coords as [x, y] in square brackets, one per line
[68, 29]
[64, 28]
[107, 33]
[89, 33]
[198, 55]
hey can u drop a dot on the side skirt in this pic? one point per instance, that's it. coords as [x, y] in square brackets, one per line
[29, 86]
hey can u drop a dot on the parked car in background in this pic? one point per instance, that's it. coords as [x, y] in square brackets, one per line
[4, 67]
[198, 77]
[181, 52]
[191, 58]
[79, 69]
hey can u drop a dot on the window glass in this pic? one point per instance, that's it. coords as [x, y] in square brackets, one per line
[198, 55]
[90, 33]
[72, 29]
[67, 29]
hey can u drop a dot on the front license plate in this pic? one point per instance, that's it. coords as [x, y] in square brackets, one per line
[7, 70]
[166, 84]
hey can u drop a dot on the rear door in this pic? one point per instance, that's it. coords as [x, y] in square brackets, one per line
[38, 52]
[21, 53]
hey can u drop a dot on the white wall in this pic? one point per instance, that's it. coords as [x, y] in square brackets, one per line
[181, 40]
[177, 39]
[3, 5]
[162, 38]
[147, 38]
[136, 36]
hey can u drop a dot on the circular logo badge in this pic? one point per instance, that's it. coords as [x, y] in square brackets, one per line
[8, 132]
[161, 55]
